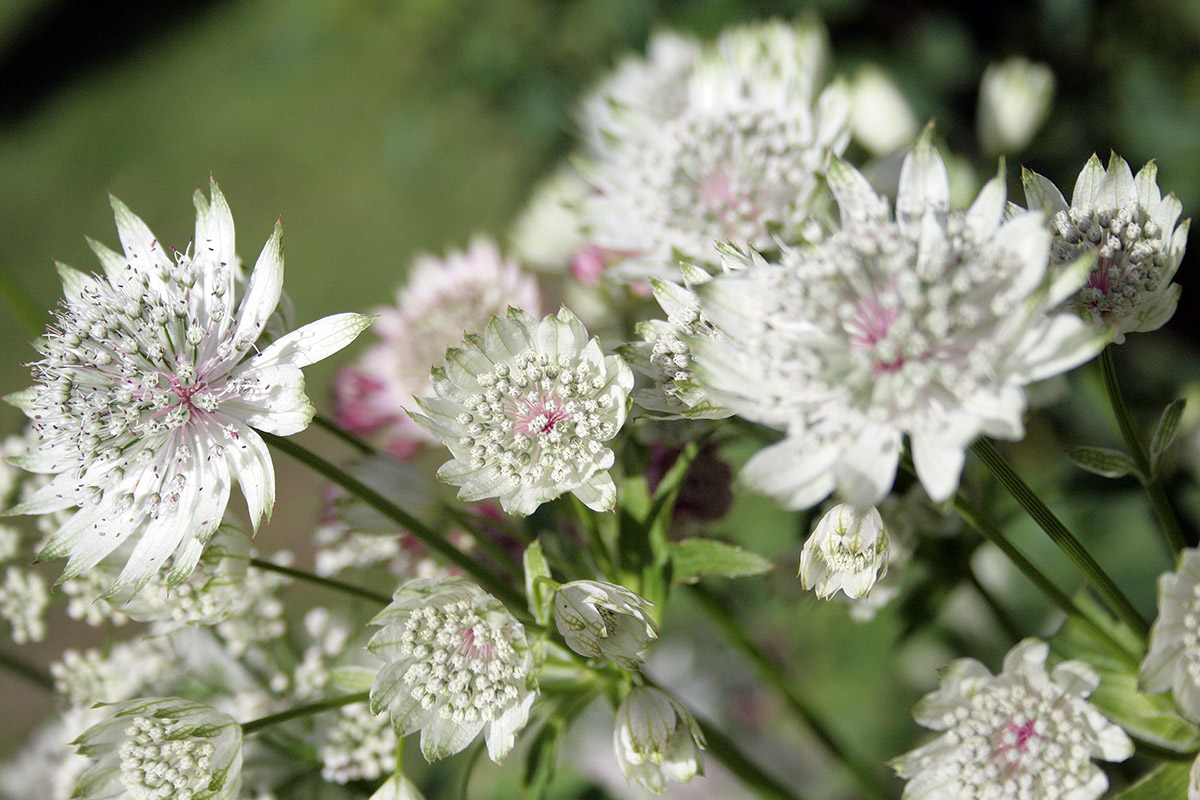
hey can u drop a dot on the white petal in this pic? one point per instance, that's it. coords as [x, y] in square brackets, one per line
[262, 293]
[276, 403]
[924, 186]
[792, 473]
[1088, 183]
[1040, 193]
[250, 463]
[314, 341]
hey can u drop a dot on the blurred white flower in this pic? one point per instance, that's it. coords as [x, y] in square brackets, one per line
[24, 598]
[150, 387]
[1131, 228]
[741, 159]
[125, 670]
[546, 234]
[1172, 662]
[1015, 97]
[928, 324]
[356, 746]
[880, 117]
[1020, 734]
[525, 409]
[656, 740]
[603, 620]
[848, 551]
[162, 747]
[443, 298]
[456, 663]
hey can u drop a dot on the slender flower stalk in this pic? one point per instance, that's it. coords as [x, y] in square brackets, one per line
[321, 706]
[429, 537]
[1150, 477]
[1058, 533]
[317, 580]
[858, 767]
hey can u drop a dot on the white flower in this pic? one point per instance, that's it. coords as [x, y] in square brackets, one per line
[457, 663]
[356, 746]
[397, 787]
[128, 669]
[1132, 230]
[666, 358]
[1172, 662]
[1015, 97]
[149, 391]
[24, 598]
[1023, 734]
[928, 325]
[657, 740]
[162, 747]
[525, 410]
[546, 234]
[740, 160]
[847, 551]
[603, 620]
[442, 298]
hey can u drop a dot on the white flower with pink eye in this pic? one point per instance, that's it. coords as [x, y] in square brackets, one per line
[443, 298]
[1024, 734]
[926, 324]
[457, 663]
[153, 379]
[525, 410]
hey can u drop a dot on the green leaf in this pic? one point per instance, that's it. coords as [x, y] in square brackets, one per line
[1165, 432]
[539, 588]
[693, 558]
[1166, 781]
[1104, 462]
[353, 678]
[1151, 718]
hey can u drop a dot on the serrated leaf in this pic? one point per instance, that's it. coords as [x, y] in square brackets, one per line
[1104, 462]
[539, 590]
[353, 678]
[1151, 718]
[693, 558]
[1166, 781]
[1165, 432]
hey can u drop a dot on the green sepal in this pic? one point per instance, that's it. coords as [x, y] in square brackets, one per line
[352, 678]
[694, 558]
[1105, 462]
[1165, 432]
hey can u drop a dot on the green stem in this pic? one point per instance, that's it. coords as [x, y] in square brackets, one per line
[1010, 629]
[328, 583]
[1058, 533]
[736, 632]
[345, 436]
[24, 669]
[1151, 479]
[725, 750]
[328, 704]
[976, 520]
[427, 536]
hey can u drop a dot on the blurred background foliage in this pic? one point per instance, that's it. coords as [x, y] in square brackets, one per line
[378, 129]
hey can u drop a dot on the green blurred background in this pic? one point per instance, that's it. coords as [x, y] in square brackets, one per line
[378, 129]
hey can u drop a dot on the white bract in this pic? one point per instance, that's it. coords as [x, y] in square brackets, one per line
[525, 410]
[1172, 662]
[162, 748]
[657, 740]
[847, 551]
[1020, 735]
[150, 387]
[927, 324]
[603, 620]
[457, 663]
[1131, 228]
[442, 298]
[740, 160]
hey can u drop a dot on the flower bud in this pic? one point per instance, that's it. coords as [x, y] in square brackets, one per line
[847, 551]
[880, 117]
[1014, 101]
[603, 620]
[657, 740]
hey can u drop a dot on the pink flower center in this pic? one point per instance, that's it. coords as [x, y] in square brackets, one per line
[541, 416]
[1014, 737]
[469, 648]
[869, 327]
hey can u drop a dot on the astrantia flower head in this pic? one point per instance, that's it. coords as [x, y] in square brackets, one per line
[1131, 228]
[603, 620]
[442, 298]
[457, 663]
[847, 551]
[159, 748]
[1024, 734]
[525, 410]
[1172, 662]
[927, 324]
[657, 740]
[150, 387]
[741, 160]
